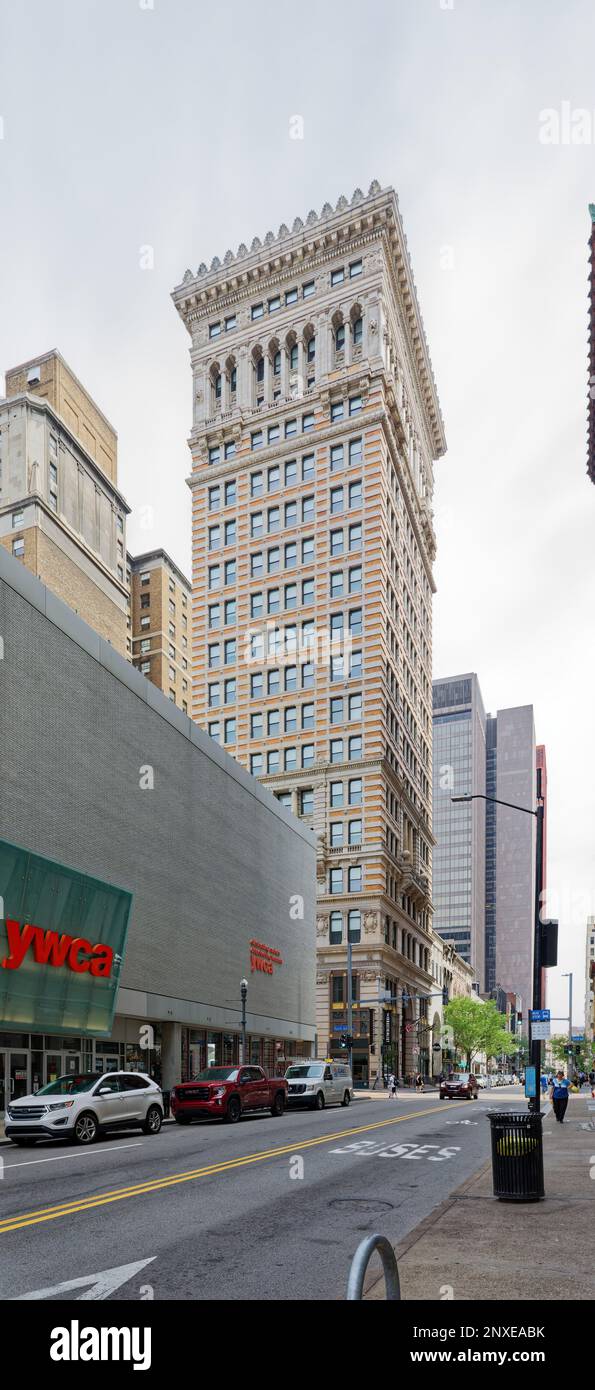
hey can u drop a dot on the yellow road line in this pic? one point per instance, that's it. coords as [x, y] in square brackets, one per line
[69, 1208]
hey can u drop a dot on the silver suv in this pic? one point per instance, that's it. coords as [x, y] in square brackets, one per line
[79, 1107]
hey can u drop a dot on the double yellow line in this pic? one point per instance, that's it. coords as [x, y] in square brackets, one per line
[121, 1194]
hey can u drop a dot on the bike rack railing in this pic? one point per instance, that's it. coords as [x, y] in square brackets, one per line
[359, 1265]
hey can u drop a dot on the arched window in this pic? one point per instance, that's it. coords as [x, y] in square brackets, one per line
[216, 386]
[257, 374]
[358, 331]
[338, 333]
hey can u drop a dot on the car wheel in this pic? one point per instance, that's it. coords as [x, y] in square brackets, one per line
[278, 1105]
[86, 1128]
[234, 1110]
[346, 1099]
[22, 1143]
[153, 1121]
[319, 1102]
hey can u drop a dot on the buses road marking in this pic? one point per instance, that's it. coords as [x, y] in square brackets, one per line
[69, 1208]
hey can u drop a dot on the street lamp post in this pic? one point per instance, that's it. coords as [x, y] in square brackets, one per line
[535, 1044]
[243, 996]
[570, 1054]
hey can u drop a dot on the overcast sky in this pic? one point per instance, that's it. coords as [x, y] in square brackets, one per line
[129, 125]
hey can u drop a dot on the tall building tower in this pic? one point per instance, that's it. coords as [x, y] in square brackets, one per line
[61, 513]
[590, 981]
[315, 426]
[458, 865]
[159, 632]
[510, 853]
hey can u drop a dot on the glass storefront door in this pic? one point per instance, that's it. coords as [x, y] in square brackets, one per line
[15, 1080]
[61, 1064]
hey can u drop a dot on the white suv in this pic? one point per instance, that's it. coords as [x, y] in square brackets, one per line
[78, 1107]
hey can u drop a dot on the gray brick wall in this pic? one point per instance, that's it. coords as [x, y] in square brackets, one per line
[209, 856]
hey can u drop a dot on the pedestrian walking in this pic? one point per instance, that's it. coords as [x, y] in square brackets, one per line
[419, 1082]
[392, 1086]
[544, 1083]
[559, 1095]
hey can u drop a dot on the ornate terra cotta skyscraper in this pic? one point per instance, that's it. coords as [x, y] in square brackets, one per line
[315, 425]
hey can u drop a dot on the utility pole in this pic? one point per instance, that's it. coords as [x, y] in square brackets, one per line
[570, 1053]
[350, 1001]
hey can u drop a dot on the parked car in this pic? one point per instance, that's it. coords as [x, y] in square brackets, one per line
[461, 1084]
[227, 1093]
[317, 1084]
[81, 1106]
[482, 1082]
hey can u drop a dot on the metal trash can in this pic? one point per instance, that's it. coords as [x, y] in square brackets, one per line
[517, 1156]
[166, 1096]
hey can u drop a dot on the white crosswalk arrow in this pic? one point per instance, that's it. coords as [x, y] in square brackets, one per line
[97, 1285]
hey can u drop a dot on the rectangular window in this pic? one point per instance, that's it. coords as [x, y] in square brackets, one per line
[256, 605]
[256, 764]
[230, 493]
[273, 559]
[230, 611]
[336, 588]
[336, 542]
[355, 748]
[307, 509]
[308, 756]
[354, 879]
[355, 622]
[230, 655]
[336, 750]
[256, 564]
[230, 449]
[308, 421]
[307, 591]
[230, 571]
[274, 478]
[336, 881]
[230, 322]
[336, 457]
[308, 551]
[355, 451]
[291, 514]
[290, 761]
[336, 410]
[256, 685]
[355, 268]
[335, 935]
[336, 834]
[273, 722]
[214, 729]
[229, 735]
[290, 473]
[214, 329]
[274, 519]
[308, 716]
[307, 467]
[336, 710]
[214, 615]
[338, 276]
[274, 601]
[230, 532]
[355, 580]
[355, 536]
[273, 763]
[214, 541]
[214, 695]
[291, 296]
[291, 719]
[290, 555]
[336, 794]
[257, 311]
[355, 405]
[256, 725]
[291, 595]
[214, 498]
[274, 303]
[290, 428]
[355, 708]
[256, 439]
[214, 651]
[273, 682]
[308, 289]
[257, 524]
[214, 576]
[273, 434]
[18, 548]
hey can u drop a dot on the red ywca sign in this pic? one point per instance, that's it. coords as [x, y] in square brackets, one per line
[264, 957]
[51, 948]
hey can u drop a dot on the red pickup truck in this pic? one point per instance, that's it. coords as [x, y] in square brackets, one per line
[227, 1093]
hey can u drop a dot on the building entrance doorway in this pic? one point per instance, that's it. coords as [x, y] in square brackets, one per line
[15, 1076]
[60, 1064]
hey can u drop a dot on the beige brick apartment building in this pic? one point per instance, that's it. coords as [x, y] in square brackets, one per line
[61, 512]
[315, 425]
[159, 624]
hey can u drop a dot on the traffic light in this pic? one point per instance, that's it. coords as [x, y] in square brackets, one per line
[346, 1041]
[445, 994]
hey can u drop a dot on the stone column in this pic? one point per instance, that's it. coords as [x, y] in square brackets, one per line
[171, 1054]
[348, 339]
[243, 393]
[267, 378]
[224, 389]
[301, 366]
[284, 372]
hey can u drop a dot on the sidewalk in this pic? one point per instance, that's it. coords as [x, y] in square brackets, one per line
[473, 1247]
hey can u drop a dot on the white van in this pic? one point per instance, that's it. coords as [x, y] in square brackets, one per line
[317, 1084]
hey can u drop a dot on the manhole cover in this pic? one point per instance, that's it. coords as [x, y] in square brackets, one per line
[361, 1204]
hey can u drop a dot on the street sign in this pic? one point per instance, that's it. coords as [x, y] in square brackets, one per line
[539, 1015]
[540, 1031]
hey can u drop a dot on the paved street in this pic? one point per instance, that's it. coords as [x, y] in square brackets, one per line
[267, 1209]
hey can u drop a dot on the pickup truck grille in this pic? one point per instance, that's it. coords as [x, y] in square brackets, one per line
[297, 1090]
[194, 1093]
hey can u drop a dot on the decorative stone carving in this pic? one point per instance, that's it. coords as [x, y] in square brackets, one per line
[374, 188]
[283, 230]
[322, 977]
[229, 256]
[242, 250]
[256, 244]
[202, 269]
[357, 196]
[341, 203]
[327, 210]
[187, 276]
[270, 236]
[215, 263]
[321, 926]
[370, 922]
[311, 218]
[298, 224]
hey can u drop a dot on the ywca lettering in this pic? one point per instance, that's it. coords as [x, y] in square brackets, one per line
[50, 948]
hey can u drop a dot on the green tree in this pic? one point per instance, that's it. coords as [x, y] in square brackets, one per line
[476, 1027]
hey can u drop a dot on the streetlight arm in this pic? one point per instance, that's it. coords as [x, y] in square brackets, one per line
[479, 796]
